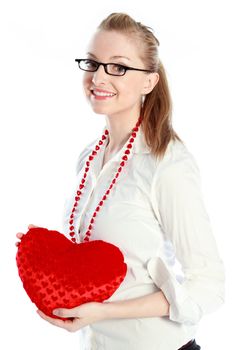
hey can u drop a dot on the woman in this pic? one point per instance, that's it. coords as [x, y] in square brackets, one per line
[152, 210]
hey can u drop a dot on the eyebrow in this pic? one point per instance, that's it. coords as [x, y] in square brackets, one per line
[113, 57]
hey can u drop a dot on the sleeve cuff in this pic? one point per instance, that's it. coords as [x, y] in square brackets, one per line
[182, 308]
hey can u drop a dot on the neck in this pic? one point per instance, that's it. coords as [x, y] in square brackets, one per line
[119, 132]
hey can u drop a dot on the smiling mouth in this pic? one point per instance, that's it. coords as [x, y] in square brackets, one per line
[102, 95]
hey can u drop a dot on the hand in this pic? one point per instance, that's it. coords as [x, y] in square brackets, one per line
[80, 316]
[20, 234]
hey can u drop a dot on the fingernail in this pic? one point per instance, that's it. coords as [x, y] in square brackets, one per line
[56, 312]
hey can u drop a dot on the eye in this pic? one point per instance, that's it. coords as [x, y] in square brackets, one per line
[117, 69]
[90, 64]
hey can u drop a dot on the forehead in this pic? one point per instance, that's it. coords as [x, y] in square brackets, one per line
[106, 45]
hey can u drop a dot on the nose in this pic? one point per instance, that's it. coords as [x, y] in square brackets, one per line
[99, 76]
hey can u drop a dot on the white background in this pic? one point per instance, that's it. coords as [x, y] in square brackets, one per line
[46, 122]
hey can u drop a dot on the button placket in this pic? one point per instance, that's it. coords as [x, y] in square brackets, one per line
[80, 220]
[82, 185]
[96, 183]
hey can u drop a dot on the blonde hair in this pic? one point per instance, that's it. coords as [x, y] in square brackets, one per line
[156, 111]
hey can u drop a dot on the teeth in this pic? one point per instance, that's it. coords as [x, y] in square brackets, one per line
[97, 93]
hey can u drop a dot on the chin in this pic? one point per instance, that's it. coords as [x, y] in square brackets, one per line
[100, 111]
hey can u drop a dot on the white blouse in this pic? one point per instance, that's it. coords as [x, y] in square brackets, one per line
[155, 214]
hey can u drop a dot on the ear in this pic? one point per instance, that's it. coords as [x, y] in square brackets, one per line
[150, 82]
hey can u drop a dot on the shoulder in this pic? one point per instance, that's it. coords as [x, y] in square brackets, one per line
[178, 165]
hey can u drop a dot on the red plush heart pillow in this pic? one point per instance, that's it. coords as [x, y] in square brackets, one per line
[58, 273]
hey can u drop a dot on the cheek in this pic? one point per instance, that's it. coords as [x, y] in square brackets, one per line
[132, 86]
[86, 83]
[125, 88]
[130, 91]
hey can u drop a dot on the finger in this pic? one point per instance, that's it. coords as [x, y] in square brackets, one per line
[59, 323]
[61, 312]
[19, 235]
[17, 244]
[54, 321]
[31, 226]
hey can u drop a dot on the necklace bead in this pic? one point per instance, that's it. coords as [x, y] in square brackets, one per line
[82, 183]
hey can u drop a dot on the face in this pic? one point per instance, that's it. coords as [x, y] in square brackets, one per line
[128, 89]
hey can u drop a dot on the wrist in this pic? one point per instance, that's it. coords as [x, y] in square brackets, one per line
[113, 309]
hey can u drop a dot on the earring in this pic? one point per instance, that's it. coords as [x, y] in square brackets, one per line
[143, 100]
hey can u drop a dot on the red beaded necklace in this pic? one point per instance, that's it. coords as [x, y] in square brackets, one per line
[81, 186]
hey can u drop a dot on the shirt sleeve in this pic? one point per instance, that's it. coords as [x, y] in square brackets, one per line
[178, 204]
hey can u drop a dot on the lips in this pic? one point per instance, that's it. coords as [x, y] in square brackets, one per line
[102, 94]
[102, 90]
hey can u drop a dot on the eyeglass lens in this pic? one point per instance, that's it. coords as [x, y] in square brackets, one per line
[92, 66]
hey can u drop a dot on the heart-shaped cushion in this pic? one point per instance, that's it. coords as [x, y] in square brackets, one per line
[59, 273]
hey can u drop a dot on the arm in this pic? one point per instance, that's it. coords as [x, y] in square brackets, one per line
[151, 305]
[178, 203]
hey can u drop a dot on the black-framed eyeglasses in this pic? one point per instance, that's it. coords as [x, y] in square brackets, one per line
[116, 69]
